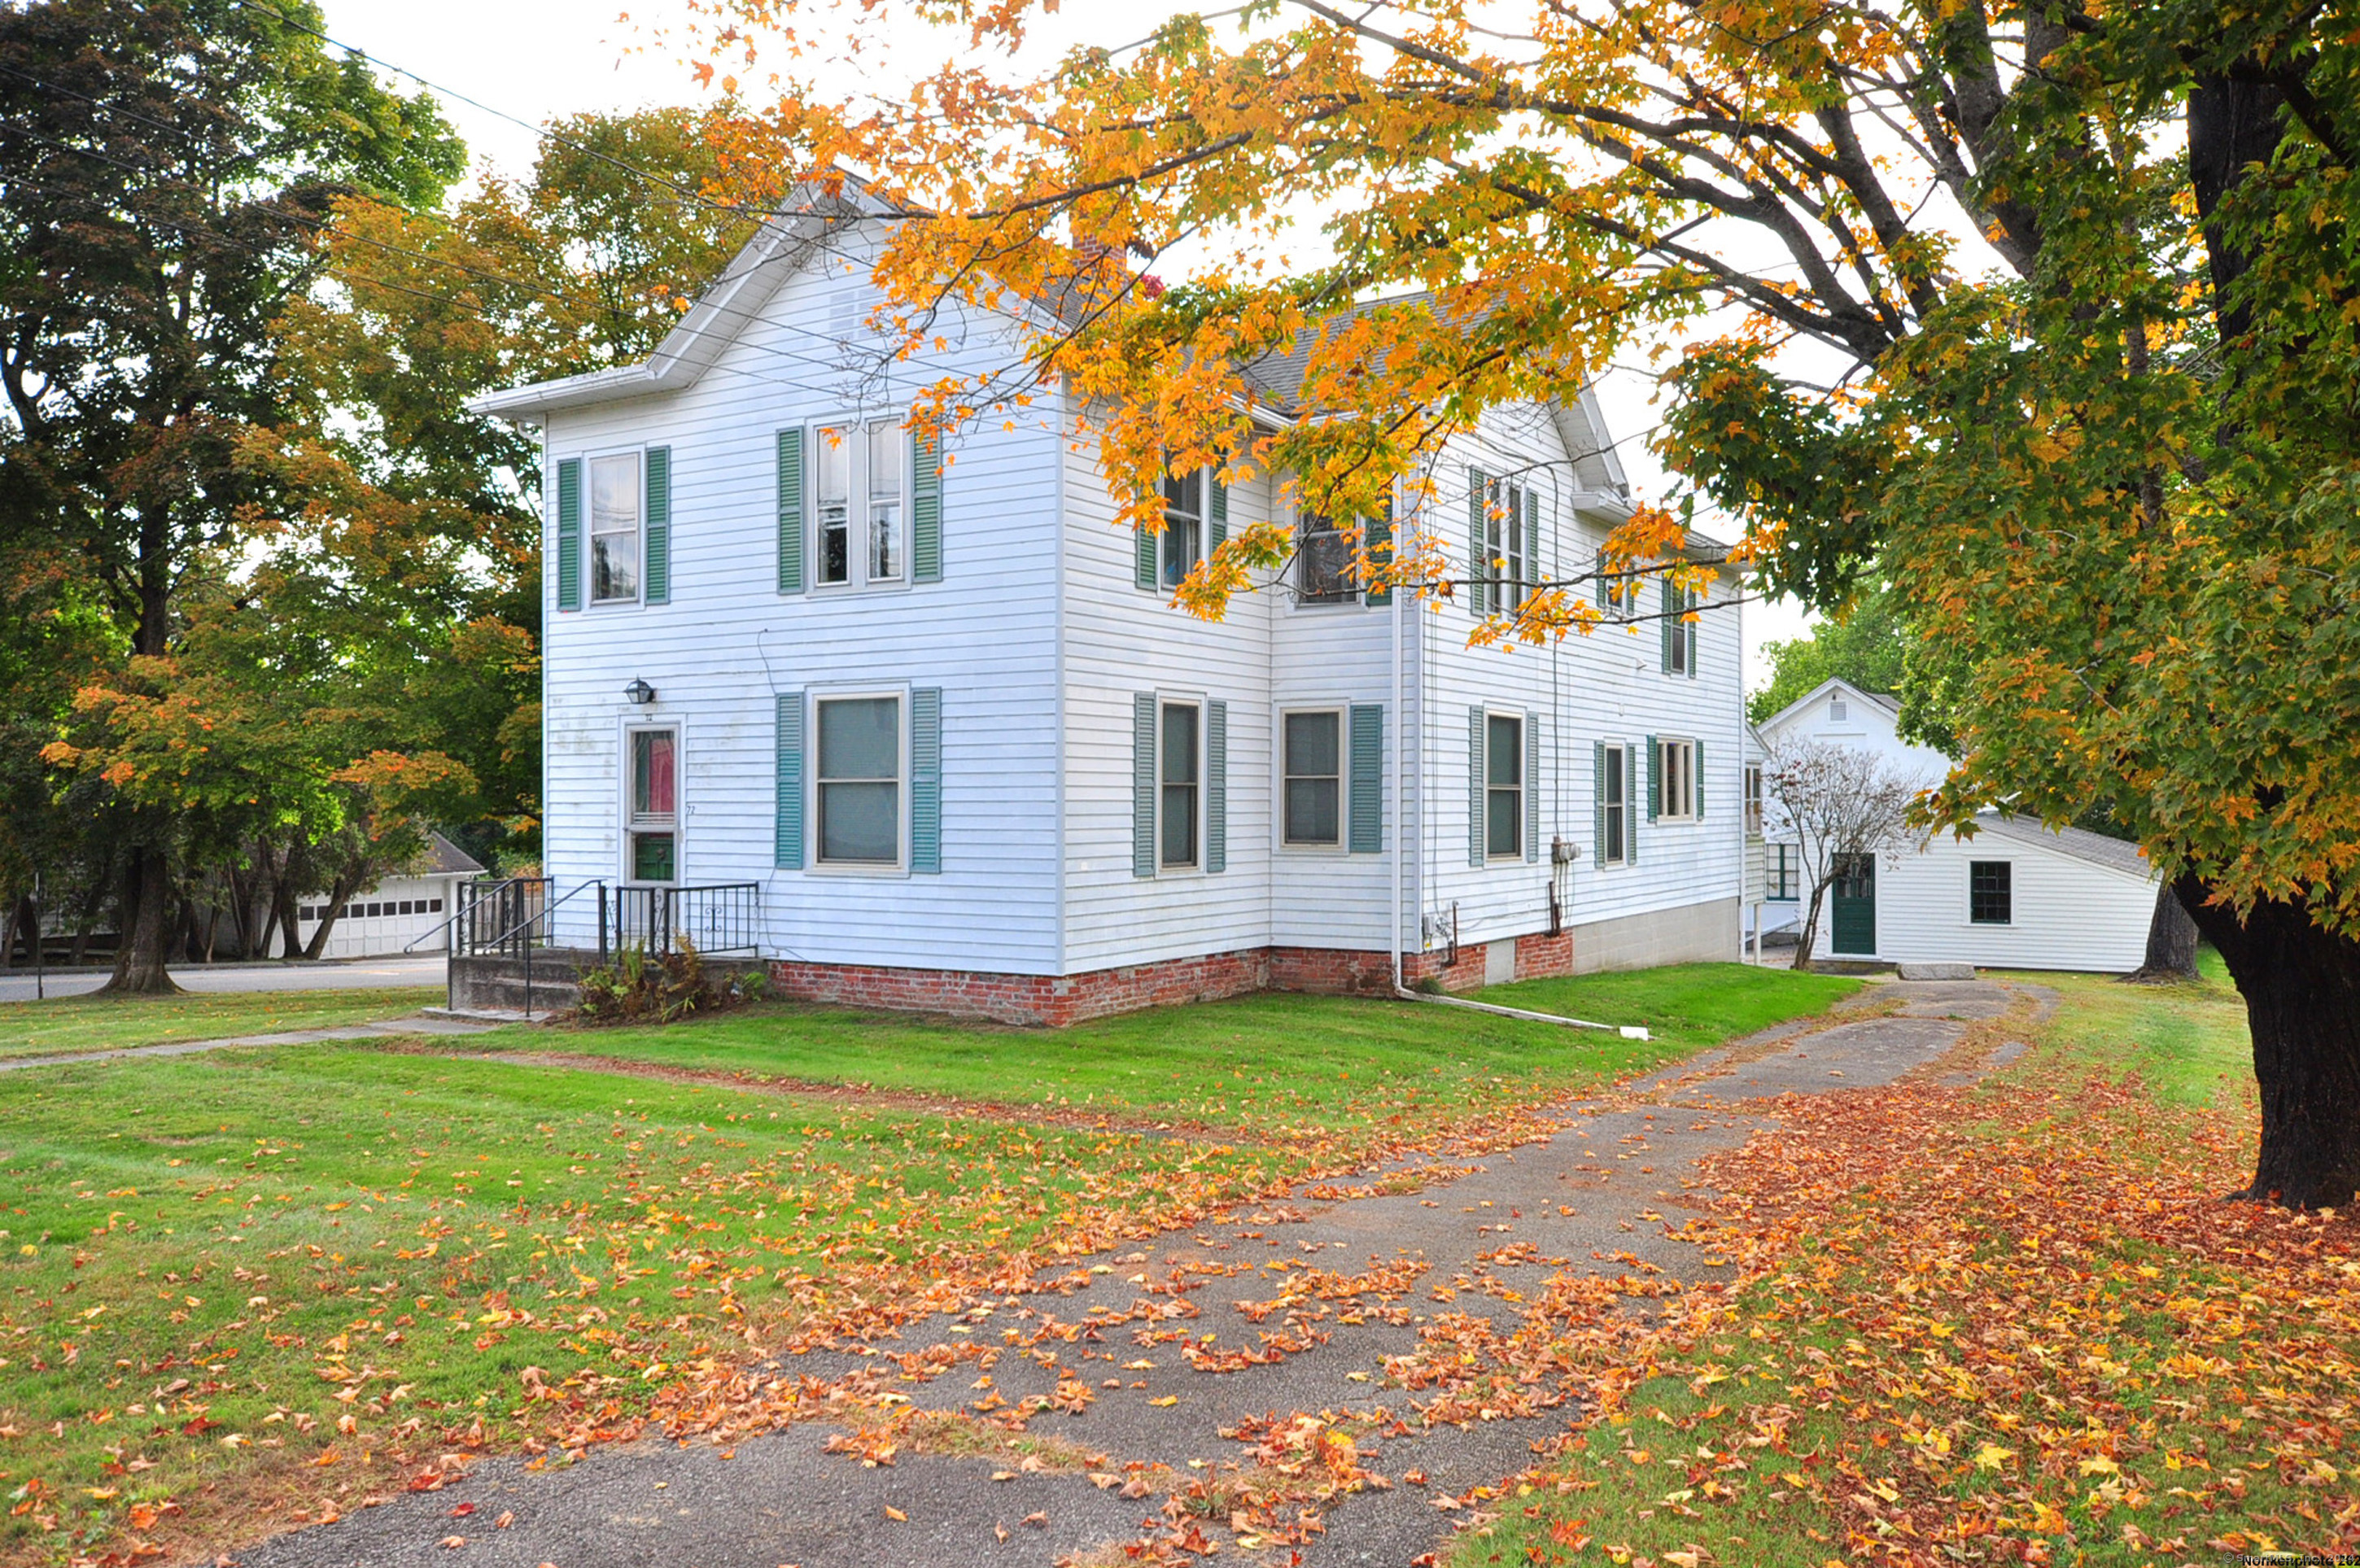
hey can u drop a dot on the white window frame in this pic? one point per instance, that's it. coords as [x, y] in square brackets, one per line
[1987, 925]
[1618, 837]
[632, 822]
[1667, 748]
[590, 461]
[820, 864]
[1523, 739]
[1342, 716]
[1202, 522]
[1352, 594]
[1754, 799]
[1682, 640]
[858, 432]
[1513, 579]
[1165, 702]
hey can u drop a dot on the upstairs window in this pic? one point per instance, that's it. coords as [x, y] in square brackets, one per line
[1183, 544]
[1322, 562]
[652, 850]
[1991, 892]
[1510, 527]
[1315, 778]
[1680, 633]
[860, 501]
[614, 528]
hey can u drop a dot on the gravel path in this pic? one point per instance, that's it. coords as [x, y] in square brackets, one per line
[1484, 1244]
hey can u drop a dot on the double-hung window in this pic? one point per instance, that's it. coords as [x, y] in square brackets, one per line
[1508, 544]
[1614, 805]
[859, 771]
[1503, 786]
[1754, 799]
[1314, 784]
[1183, 544]
[614, 528]
[1180, 783]
[861, 496]
[652, 831]
[1680, 633]
[1322, 562]
[1991, 892]
[1675, 781]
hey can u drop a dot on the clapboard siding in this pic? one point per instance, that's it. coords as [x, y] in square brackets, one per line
[2068, 913]
[728, 641]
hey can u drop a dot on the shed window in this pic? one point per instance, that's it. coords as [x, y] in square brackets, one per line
[614, 527]
[1503, 786]
[859, 781]
[1314, 783]
[1991, 892]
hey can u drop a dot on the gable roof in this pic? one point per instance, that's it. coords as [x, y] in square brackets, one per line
[443, 858]
[2096, 849]
[1889, 705]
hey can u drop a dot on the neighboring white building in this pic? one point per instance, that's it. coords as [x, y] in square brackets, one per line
[948, 723]
[413, 907]
[2015, 896]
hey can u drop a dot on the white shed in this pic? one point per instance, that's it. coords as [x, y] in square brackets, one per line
[2015, 895]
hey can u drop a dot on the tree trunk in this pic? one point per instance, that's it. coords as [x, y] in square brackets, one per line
[1809, 935]
[146, 941]
[343, 892]
[2170, 942]
[2301, 987]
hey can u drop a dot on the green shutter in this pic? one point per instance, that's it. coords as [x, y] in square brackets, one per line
[1605, 593]
[1531, 787]
[1368, 809]
[792, 528]
[1142, 784]
[1630, 805]
[569, 534]
[1479, 562]
[1217, 512]
[1688, 629]
[1696, 784]
[659, 525]
[1598, 803]
[1655, 783]
[926, 780]
[1217, 786]
[1668, 621]
[925, 508]
[1475, 786]
[789, 855]
[1377, 544]
[1143, 557]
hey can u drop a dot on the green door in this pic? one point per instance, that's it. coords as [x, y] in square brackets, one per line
[1854, 895]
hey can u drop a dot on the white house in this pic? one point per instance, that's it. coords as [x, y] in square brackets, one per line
[413, 907]
[2016, 895]
[940, 722]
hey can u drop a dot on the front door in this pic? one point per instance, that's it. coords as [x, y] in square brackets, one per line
[1854, 895]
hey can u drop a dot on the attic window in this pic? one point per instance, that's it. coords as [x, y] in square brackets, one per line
[1837, 710]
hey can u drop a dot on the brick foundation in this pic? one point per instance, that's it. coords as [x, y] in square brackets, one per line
[1540, 957]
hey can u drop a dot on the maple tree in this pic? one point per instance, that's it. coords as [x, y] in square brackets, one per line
[1954, 303]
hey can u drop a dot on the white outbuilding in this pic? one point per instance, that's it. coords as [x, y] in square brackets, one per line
[2015, 895]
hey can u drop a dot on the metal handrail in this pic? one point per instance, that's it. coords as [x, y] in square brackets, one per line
[546, 910]
[460, 906]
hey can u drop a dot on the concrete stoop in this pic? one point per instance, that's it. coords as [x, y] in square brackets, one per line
[505, 985]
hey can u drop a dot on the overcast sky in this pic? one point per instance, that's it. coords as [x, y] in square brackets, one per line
[538, 60]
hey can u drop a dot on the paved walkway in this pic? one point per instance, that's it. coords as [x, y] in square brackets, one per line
[359, 973]
[380, 1030]
[1480, 1248]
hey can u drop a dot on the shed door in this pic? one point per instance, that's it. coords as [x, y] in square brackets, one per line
[1854, 895]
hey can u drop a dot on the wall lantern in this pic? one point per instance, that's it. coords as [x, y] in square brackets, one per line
[639, 692]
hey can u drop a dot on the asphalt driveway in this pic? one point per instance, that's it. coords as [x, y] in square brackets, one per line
[357, 973]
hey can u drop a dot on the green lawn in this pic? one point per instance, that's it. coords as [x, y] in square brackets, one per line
[65, 1024]
[1260, 1067]
[200, 1255]
[2187, 1042]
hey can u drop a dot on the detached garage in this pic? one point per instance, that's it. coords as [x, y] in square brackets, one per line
[399, 910]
